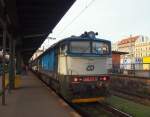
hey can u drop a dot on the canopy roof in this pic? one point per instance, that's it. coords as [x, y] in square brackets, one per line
[30, 21]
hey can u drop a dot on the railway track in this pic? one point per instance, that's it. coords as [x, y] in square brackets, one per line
[115, 111]
[91, 110]
[145, 97]
[133, 97]
[99, 110]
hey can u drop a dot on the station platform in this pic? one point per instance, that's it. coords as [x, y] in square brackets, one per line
[34, 99]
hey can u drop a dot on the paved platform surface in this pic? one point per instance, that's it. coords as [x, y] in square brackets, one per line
[34, 99]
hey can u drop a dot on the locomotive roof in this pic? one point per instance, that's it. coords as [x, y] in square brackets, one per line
[72, 38]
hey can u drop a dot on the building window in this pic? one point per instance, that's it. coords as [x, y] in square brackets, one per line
[142, 39]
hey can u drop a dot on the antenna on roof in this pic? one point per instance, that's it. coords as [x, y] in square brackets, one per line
[90, 34]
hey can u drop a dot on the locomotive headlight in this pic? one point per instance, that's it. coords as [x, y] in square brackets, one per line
[104, 78]
[75, 79]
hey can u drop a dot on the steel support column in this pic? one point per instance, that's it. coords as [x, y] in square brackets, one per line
[11, 69]
[18, 63]
[3, 75]
[14, 62]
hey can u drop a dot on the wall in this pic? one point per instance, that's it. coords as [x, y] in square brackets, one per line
[115, 58]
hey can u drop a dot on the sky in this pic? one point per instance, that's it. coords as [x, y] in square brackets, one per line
[112, 19]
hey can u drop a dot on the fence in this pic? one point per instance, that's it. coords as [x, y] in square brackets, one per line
[137, 69]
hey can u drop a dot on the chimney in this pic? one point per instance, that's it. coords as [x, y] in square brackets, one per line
[130, 35]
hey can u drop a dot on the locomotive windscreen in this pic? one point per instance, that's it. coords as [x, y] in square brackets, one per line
[80, 47]
[90, 47]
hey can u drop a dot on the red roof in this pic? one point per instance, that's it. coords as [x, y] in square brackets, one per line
[128, 40]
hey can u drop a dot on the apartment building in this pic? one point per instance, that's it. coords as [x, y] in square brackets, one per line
[142, 47]
[128, 45]
[115, 46]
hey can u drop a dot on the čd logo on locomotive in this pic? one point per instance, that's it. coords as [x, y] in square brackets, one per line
[90, 68]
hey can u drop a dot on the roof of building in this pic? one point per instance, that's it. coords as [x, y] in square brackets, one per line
[119, 52]
[128, 40]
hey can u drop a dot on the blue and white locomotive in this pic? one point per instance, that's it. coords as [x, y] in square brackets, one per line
[76, 67]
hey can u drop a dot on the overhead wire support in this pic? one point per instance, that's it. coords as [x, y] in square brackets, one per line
[4, 28]
[81, 12]
[3, 73]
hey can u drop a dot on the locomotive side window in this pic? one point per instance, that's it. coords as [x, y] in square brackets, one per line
[80, 47]
[100, 48]
[63, 49]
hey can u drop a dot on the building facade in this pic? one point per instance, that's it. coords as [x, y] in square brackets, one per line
[115, 46]
[142, 47]
[37, 53]
[128, 45]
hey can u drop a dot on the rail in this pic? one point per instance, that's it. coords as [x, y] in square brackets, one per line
[97, 108]
[114, 111]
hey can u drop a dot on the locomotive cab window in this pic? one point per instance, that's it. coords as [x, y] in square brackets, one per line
[80, 47]
[90, 47]
[100, 48]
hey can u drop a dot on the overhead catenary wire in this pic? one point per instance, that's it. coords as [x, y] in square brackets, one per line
[78, 15]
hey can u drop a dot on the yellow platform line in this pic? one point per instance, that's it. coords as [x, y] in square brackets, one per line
[17, 81]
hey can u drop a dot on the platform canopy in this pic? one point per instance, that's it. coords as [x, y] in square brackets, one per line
[30, 21]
